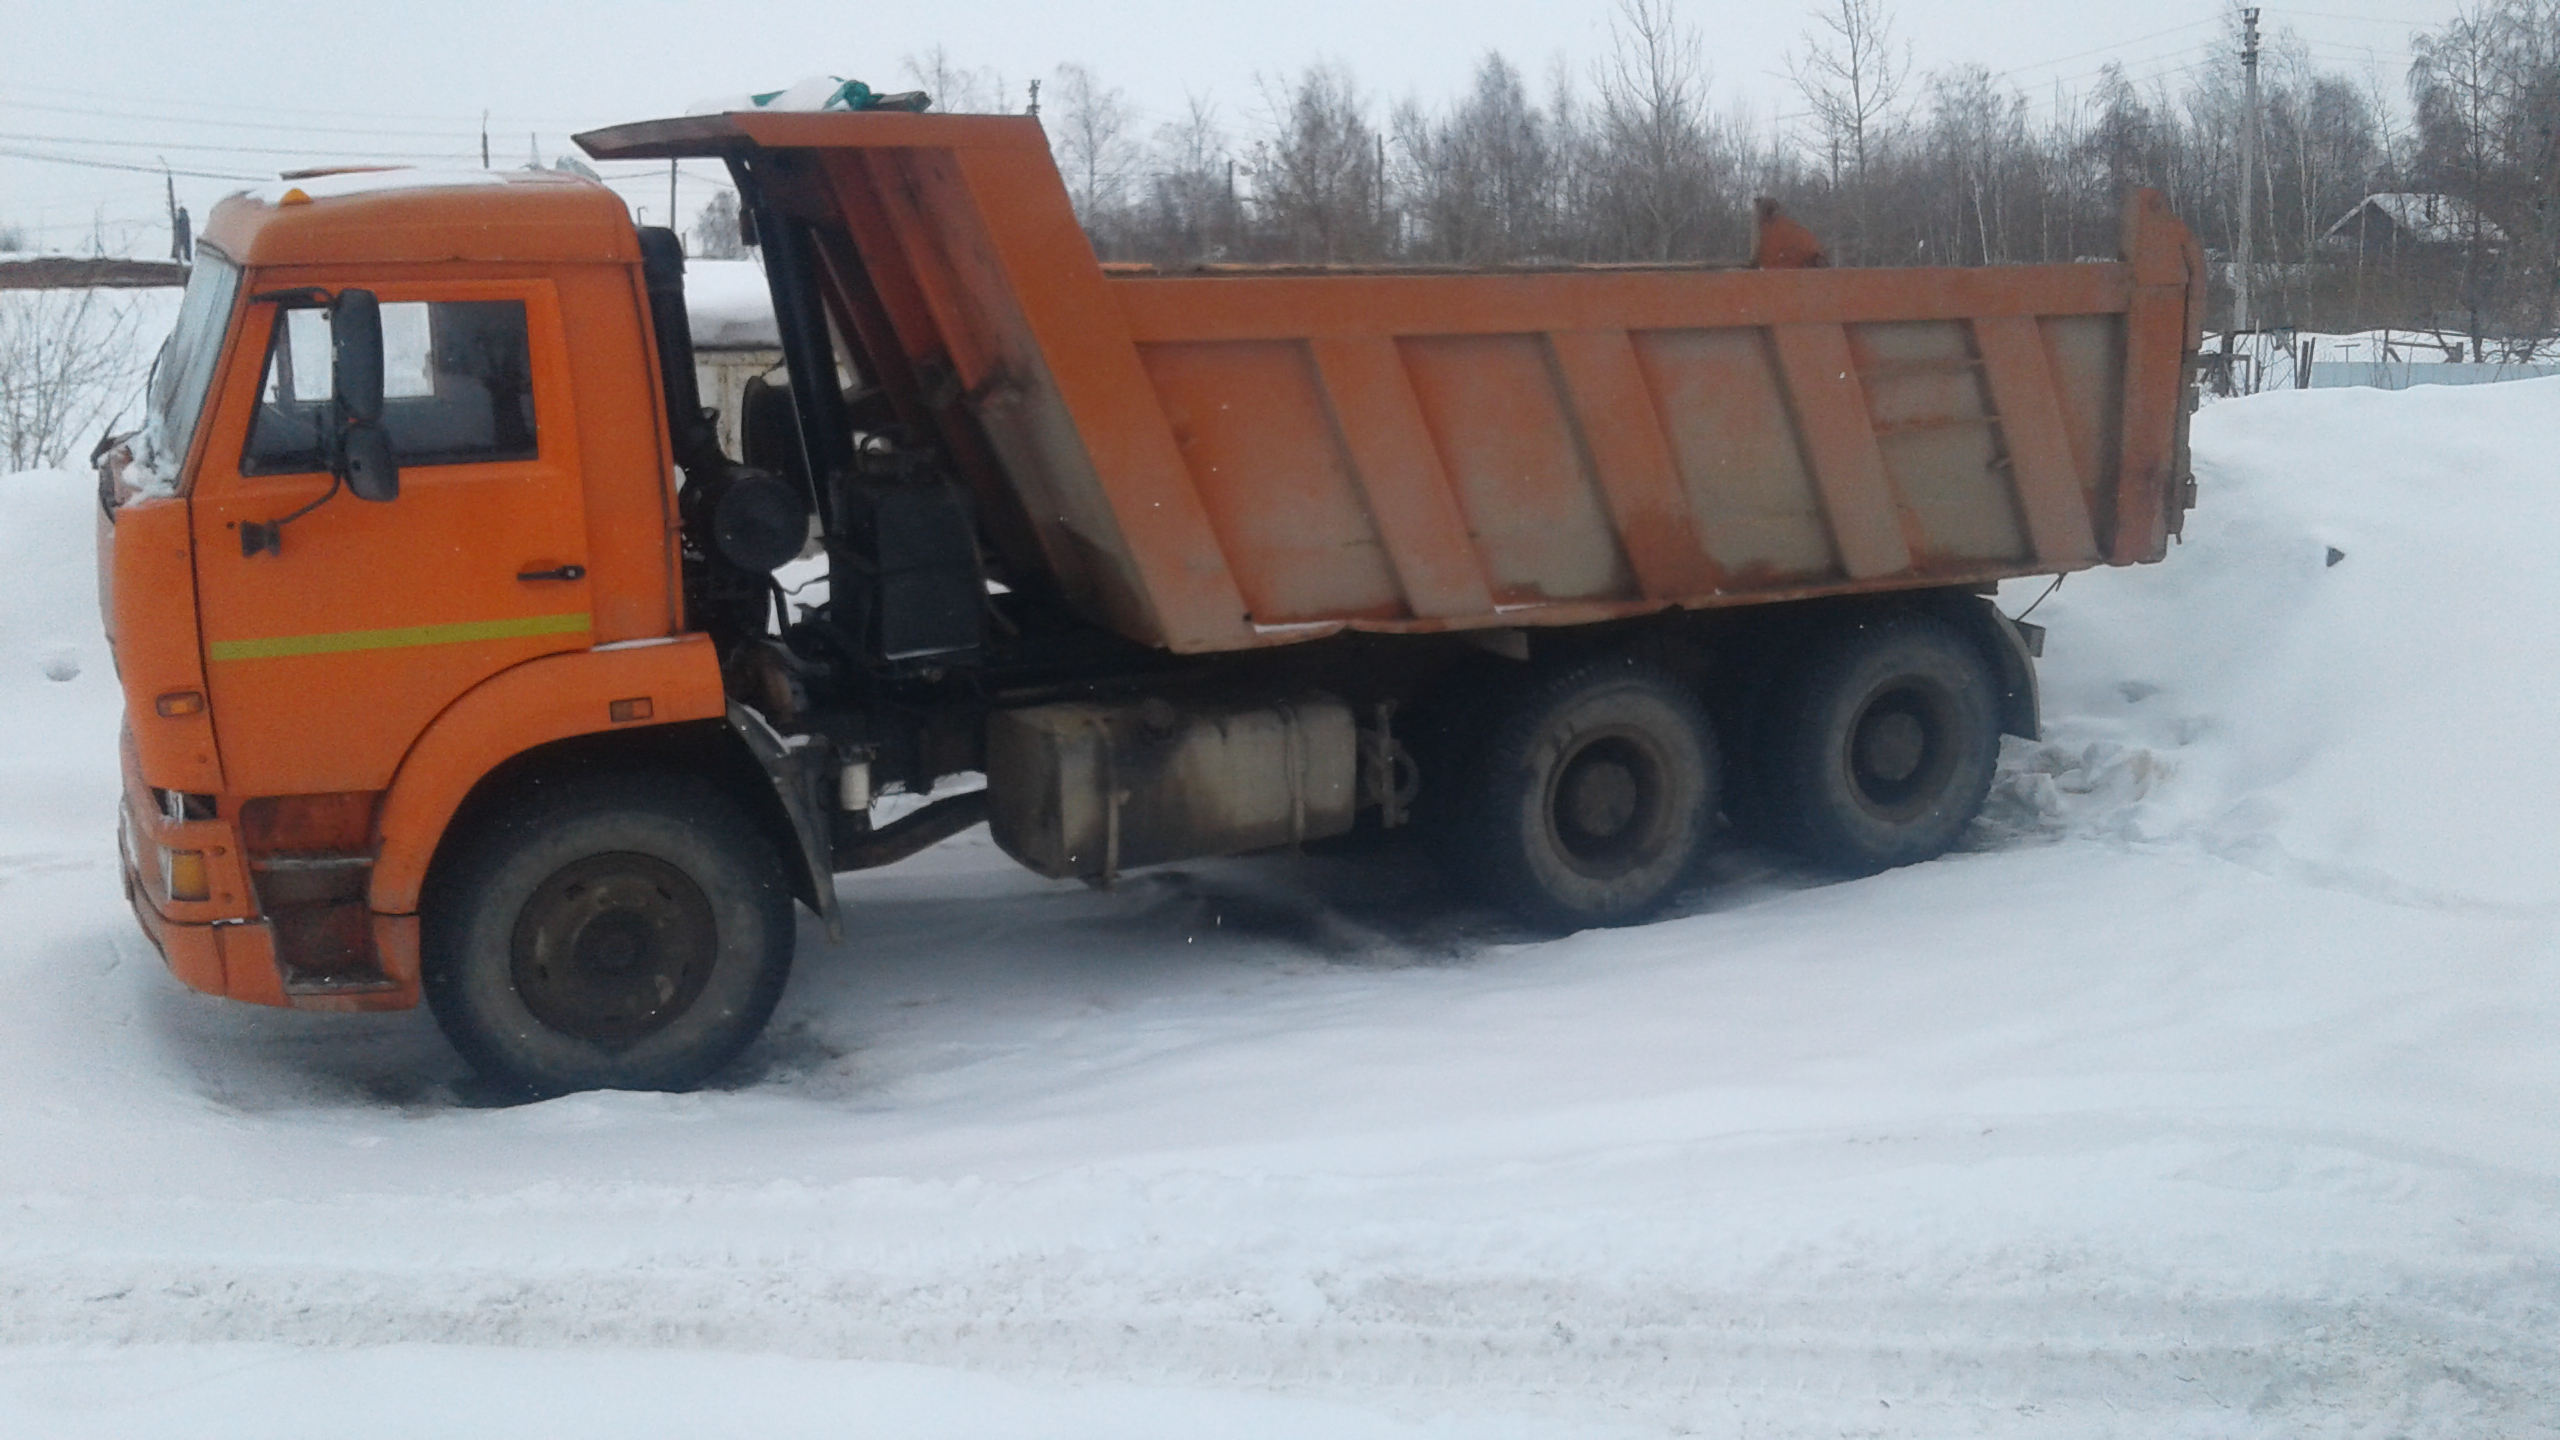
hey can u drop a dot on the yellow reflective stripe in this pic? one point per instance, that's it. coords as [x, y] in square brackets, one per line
[400, 638]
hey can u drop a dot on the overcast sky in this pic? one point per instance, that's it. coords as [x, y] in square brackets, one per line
[247, 89]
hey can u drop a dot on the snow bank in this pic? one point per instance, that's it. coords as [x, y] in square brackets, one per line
[2384, 718]
[59, 705]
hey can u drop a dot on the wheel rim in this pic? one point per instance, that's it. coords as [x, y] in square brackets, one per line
[612, 948]
[1900, 754]
[1605, 804]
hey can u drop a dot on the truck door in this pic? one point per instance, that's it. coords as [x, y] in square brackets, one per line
[328, 653]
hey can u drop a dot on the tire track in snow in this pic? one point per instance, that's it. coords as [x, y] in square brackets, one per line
[2079, 1349]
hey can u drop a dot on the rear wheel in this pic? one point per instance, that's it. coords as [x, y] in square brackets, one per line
[1590, 801]
[624, 932]
[1880, 745]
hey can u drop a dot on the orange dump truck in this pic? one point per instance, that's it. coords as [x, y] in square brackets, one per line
[456, 665]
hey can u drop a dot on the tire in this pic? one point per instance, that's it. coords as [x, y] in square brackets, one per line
[1591, 800]
[624, 932]
[1881, 745]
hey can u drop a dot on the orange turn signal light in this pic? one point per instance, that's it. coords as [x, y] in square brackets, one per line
[183, 874]
[623, 710]
[179, 703]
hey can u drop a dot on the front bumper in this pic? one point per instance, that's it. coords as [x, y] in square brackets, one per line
[223, 945]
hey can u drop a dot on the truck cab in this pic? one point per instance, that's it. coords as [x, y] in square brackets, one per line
[304, 666]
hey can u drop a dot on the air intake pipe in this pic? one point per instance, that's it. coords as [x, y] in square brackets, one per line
[751, 519]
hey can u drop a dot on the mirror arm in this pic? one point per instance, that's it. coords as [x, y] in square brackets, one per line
[267, 536]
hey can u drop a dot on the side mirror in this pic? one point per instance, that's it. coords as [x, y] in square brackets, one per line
[355, 361]
[365, 463]
[355, 355]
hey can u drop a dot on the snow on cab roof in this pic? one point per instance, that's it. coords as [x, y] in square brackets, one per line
[399, 215]
[339, 185]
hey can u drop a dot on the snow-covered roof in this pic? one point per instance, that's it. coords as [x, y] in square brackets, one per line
[2427, 218]
[104, 272]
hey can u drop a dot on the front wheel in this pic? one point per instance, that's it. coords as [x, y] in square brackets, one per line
[627, 932]
[1590, 801]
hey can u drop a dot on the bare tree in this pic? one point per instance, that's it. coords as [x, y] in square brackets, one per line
[1651, 194]
[68, 367]
[1191, 212]
[1630, 160]
[1978, 141]
[2487, 90]
[2454, 80]
[957, 89]
[1850, 76]
[716, 234]
[1480, 182]
[1318, 182]
[1089, 128]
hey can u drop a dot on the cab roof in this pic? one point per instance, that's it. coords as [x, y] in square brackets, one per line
[424, 215]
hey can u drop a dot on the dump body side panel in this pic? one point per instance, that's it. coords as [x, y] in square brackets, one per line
[1419, 452]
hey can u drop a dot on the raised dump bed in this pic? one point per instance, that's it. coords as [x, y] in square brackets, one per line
[1220, 460]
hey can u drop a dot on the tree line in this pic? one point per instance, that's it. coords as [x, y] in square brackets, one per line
[1634, 159]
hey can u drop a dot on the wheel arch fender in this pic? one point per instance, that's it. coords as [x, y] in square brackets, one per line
[2004, 649]
[558, 707]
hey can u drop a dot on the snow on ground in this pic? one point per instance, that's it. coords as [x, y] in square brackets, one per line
[2214, 1093]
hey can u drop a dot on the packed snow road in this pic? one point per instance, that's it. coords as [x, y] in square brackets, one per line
[2214, 1092]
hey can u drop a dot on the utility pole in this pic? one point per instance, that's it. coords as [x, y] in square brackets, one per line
[2240, 316]
[484, 139]
[182, 245]
[671, 205]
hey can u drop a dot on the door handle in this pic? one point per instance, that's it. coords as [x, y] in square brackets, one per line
[564, 572]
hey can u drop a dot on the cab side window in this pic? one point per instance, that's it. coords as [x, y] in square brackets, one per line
[457, 387]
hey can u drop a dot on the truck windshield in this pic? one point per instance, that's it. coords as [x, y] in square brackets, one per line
[185, 369]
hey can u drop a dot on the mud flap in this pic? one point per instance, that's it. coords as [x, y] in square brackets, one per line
[2016, 645]
[800, 775]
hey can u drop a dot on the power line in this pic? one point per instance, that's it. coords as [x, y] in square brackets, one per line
[510, 121]
[2101, 49]
[157, 145]
[16, 154]
[87, 113]
[2339, 51]
[651, 173]
[2356, 19]
[2205, 50]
